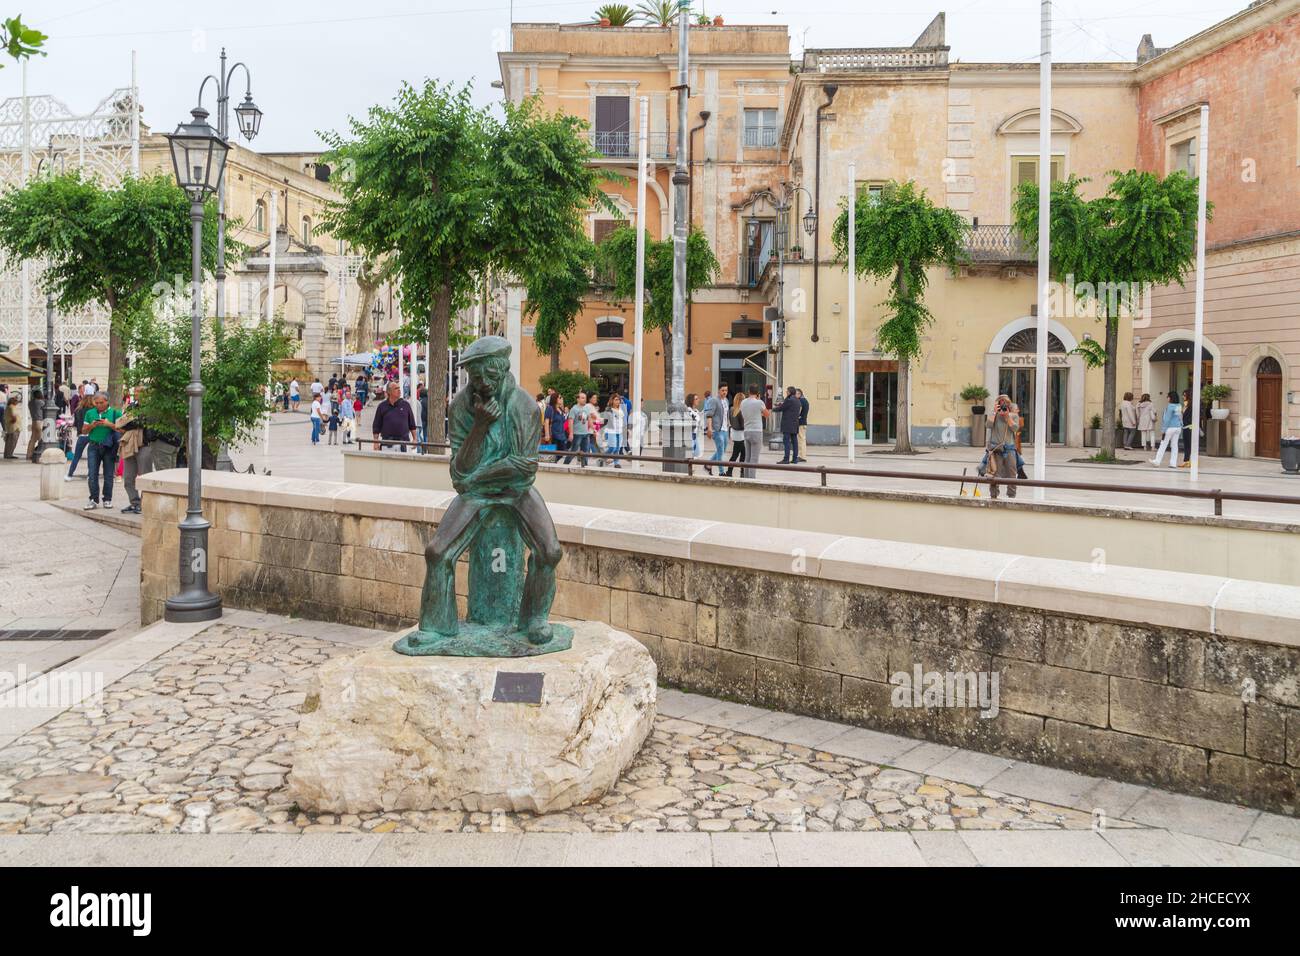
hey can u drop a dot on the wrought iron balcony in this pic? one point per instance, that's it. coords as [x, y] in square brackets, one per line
[622, 144]
[996, 244]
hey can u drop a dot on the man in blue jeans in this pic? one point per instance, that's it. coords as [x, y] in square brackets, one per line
[717, 421]
[100, 426]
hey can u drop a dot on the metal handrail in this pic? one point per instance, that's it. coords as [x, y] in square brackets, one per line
[1217, 495]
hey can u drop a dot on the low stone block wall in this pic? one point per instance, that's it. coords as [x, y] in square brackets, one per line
[1184, 681]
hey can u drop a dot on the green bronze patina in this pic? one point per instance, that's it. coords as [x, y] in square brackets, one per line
[495, 431]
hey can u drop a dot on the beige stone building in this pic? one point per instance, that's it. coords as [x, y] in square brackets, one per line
[739, 84]
[968, 135]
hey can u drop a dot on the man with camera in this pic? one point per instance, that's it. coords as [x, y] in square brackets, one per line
[1003, 423]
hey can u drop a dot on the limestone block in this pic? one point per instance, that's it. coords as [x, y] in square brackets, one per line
[387, 731]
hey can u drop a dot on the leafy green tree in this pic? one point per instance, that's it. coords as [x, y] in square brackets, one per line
[569, 382]
[21, 41]
[618, 14]
[236, 364]
[555, 297]
[900, 235]
[444, 192]
[1142, 230]
[616, 255]
[110, 246]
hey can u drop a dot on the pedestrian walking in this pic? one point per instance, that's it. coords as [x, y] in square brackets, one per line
[579, 420]
[1191, 430]
[790, 409]
[394, 421]
[137, 457]
[101, 429]
[737, 423]
[717, 424]
[78, 449]
[554, 426]
[317, 409]
[35, 412]
[348, 412]
[13, 424]
[334, 423]
[803, 426]
[1172, 422]
[753, 411]
[615, 426]
[1147, 419]
[1128, 420]
[294, 394]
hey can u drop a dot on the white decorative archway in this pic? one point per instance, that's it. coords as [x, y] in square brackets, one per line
[1174, 335]
[1245, 397]
[617, 351]
[1074, 392]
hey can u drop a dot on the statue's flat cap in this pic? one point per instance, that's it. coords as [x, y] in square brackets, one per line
[485, 347]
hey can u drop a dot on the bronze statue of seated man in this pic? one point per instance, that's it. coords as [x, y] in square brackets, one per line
[495, 432]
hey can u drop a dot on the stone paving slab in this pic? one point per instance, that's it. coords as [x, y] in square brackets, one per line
[1066, 848]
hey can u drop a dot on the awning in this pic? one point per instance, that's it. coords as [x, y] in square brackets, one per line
[358, 358]
[12, 370]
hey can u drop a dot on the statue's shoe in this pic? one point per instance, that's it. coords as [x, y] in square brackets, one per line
[540, 632]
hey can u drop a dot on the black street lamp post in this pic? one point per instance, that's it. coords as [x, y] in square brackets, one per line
[199, 157]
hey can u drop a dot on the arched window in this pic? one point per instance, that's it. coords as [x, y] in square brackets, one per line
[609, 330]
[1269, 366]
[259, 217]
[1026, 340]
[306, 230]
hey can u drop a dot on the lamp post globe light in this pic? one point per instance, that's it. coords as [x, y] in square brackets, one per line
[199, 159]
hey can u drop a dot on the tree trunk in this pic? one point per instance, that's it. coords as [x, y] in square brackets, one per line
[903, 418]
[439, 328]
[116, 365]
[1107, 449]
[555, 359]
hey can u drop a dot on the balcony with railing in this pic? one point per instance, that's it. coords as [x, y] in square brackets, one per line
[875, 59]
[996, 244]
[622, 144]
[750, 268]
[760, 137]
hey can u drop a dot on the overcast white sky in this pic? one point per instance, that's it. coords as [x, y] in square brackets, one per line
[315, 63]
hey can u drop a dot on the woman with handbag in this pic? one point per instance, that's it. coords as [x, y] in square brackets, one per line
[737, 433]
[101, 430]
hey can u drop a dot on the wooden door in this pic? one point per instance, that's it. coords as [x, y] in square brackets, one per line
[1268, 410]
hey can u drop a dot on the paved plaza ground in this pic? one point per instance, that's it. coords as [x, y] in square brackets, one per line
[183, 759]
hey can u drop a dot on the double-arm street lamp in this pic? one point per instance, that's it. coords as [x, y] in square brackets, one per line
[377, 313]
[199, 158]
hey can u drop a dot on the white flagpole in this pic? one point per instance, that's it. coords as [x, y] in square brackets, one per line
[270, 312]
[638, 353]
[1202, 170]
[1042, 400]
[851, 390]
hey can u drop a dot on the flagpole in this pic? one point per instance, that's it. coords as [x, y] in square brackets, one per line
[1202, 169]
[1042, 400]
[638, 346]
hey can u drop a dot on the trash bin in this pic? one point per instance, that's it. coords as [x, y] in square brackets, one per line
[1291, 455]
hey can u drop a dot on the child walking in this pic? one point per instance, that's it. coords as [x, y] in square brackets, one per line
[334, 423]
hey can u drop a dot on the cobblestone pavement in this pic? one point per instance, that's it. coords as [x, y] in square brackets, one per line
[200, 738]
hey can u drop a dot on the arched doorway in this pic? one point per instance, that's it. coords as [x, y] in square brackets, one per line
[1017, 377]
[1268, 408]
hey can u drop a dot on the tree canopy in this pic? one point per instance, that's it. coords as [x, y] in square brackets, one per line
[446, 192]
[616, 257]
[1141, 230]
[236, 364]
[555, 297]
[899, 235]
[107, 246]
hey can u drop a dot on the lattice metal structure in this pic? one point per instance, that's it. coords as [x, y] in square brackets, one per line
[39, 133]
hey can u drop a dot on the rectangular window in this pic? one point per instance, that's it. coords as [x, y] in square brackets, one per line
[871, 188]
[760, 129]
[1024, 169]
[613, 127]
[1184, 158]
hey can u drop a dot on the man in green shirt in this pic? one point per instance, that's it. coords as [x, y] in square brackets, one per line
[100, 428]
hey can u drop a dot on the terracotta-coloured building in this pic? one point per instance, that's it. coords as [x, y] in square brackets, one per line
[738, 78]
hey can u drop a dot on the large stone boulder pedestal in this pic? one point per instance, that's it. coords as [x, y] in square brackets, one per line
[388, 731]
